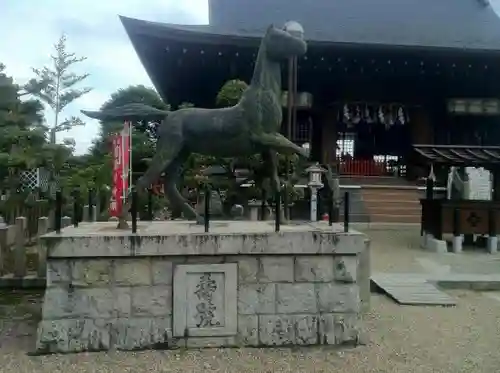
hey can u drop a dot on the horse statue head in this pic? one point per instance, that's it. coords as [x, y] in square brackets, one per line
[284, 43]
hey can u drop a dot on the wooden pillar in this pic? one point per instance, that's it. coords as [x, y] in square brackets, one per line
[327, 120]
[421, 132]
[457, 230]
[43, 227]
[492, 243]
[19, 248]
[495, 184]
[429, 188]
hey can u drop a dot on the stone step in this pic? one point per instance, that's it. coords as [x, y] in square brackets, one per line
[356, 218]
[393, 210]
[31, 281]
[382, 218]
[389, 218]
[373, 180]
[391, 203]
[388, 194]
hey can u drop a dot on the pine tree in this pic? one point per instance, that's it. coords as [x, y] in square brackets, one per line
[55, 86]
[22, 133]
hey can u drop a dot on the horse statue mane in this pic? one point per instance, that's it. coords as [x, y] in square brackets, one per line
[250, 127]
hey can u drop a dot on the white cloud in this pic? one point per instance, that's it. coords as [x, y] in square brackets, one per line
[93, 30]
[495, 4]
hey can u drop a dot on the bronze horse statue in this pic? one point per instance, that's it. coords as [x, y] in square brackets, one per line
[250, 127]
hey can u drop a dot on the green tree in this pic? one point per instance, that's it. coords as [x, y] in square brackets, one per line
[143, 134]
[93, 170]
[230, 93]
[23, 144]
[130, 95]
[56, 87]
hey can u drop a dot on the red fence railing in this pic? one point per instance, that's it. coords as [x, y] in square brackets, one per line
[362, 167]
[371, 167]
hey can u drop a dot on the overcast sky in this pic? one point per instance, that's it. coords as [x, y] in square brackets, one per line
[29, 29]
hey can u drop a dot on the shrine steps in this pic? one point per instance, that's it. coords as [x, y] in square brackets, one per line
[384, 199]
[376, 181]
[392, 204]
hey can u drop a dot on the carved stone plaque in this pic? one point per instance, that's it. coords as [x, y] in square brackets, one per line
[205, 300]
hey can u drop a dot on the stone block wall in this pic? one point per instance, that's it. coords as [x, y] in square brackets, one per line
[128, 303]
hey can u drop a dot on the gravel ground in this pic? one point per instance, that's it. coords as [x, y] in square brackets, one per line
[401, 339]
[396, 251]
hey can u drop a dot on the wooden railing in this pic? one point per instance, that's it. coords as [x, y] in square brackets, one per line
[371, 167]
[362, 167]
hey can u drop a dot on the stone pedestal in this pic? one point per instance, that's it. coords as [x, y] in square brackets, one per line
[429, 242]
[254, 211]
[492, 244]
[172, 285]
[457, 244]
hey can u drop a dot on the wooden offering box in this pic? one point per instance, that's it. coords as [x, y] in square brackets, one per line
[441, 216]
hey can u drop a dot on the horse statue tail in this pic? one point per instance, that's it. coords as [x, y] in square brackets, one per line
[132, 112]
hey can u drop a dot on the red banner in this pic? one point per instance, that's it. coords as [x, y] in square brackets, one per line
[126, 138]
[121, 171]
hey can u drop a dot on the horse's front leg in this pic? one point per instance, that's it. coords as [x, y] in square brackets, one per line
[127, 208]
[270, 158]
[280, 144]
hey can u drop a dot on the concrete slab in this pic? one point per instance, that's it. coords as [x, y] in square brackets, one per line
[432, 267]
[170, 238]
[468, 263]
[422, 289]
[470, 281]
[181, 227]
[493, 295]
[411, 290]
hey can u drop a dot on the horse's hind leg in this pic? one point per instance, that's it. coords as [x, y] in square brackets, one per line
[172, 174]
[166, 153]
[270, 158]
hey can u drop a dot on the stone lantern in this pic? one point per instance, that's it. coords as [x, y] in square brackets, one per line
[315, 172]
[294, 28]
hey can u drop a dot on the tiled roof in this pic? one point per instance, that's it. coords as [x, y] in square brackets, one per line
[463, 24]
[457, 24]
[458, 154]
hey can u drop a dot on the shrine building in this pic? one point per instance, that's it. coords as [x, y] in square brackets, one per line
[378, 77]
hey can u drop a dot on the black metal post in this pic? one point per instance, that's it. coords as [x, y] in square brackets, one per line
[103, 195]
[91, 204]
[492, 223]
[456, 222]
[263, 205]
[58, 212]
[207, 208]
[346, 212]
[133, 210]
[285, 197]
[496, 184]
[277, 217]
[429, 188]
[150, 204]
[330, 209]
[76, 207]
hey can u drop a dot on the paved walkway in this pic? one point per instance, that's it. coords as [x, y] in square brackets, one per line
[411, 275]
